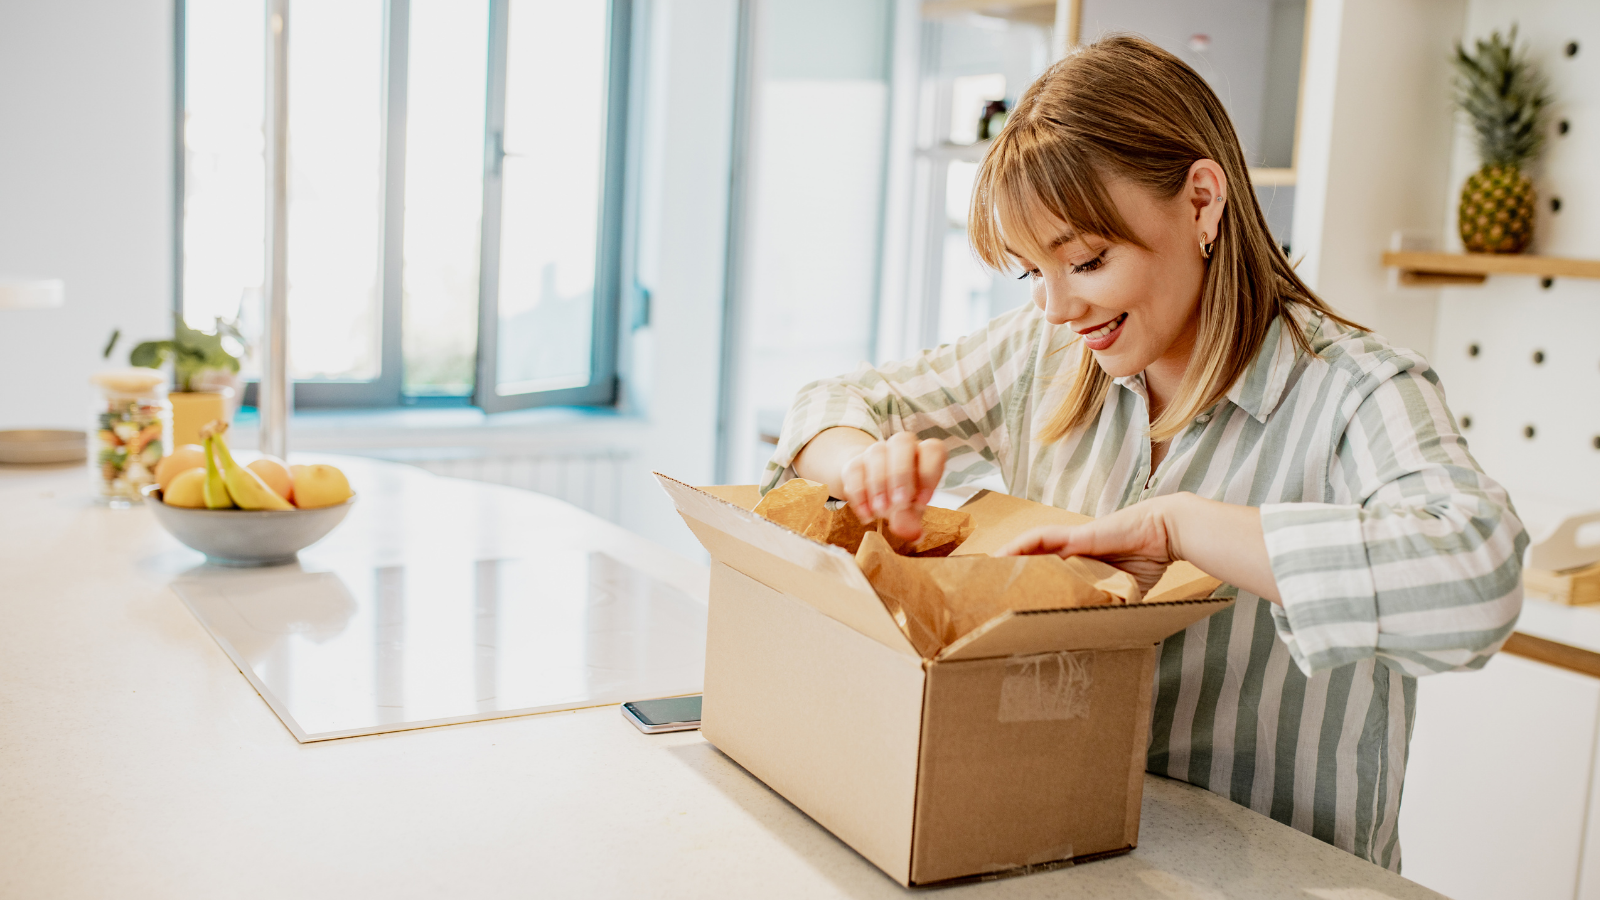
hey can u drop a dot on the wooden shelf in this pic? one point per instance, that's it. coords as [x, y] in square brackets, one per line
[1432, 269]
[1036, 12]
[1265, 177]
[961, 152]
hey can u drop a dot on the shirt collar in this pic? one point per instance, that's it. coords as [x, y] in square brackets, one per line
[1261, 386]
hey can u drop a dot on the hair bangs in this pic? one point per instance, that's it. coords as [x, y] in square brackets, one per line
[1033, 192]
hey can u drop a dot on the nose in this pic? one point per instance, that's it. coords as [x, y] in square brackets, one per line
[1053, 294]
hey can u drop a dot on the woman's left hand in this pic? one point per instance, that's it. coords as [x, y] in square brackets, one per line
[1138, 540]
[1222, 539]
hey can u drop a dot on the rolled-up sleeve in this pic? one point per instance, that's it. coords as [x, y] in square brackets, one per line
[958, 393]
[1416, 559]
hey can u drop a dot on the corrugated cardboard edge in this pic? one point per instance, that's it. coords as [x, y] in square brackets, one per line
[988, 639]
[835, 585]
[1026, 870]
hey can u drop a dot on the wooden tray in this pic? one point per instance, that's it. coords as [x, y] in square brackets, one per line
[1573, 587]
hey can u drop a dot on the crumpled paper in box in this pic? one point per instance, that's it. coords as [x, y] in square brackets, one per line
[802, 506]
[937, 601]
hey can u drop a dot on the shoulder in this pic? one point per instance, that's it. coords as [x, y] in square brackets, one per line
[1360, 360]
[1018, 339]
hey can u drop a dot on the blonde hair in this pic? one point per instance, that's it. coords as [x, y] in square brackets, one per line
[1123, 107]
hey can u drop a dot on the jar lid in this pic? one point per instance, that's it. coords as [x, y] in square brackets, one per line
[128, 381]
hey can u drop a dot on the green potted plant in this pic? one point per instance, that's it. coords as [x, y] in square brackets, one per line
[1504, 97]
[204, 374]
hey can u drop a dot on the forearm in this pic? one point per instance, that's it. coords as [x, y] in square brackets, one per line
[1225, 540]
[823, 458]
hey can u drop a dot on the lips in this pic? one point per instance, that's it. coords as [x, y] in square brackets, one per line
[1102, 336]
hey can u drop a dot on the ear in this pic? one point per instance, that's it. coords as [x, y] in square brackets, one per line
[1207, 191]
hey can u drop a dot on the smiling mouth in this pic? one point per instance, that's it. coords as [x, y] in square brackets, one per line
[1105, 329]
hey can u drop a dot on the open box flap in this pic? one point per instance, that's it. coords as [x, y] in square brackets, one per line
[998, 519]
[825, 577]
[1083, 628]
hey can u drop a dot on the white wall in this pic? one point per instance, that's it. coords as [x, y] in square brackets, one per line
[86, 164]
[1502, 390]
[1375, 144]
[683, 213]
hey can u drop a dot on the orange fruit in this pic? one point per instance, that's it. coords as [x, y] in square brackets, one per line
[275, 474]
[180, 460]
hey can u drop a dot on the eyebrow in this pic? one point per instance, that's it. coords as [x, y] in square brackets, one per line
[1065, 237]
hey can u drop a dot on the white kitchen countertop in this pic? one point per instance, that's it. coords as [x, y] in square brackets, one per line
[136, 761]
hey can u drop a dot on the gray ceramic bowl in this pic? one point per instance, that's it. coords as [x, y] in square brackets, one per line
[242, 537]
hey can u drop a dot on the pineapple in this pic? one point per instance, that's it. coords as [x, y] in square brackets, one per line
[1504, 96]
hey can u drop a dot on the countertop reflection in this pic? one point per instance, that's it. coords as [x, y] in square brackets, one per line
[354, 649]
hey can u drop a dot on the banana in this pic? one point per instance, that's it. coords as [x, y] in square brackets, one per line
[244, 486]
[215, 490]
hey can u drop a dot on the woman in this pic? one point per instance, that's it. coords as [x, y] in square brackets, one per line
[1181, 384]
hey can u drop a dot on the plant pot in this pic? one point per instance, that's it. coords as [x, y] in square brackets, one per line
[193, 410]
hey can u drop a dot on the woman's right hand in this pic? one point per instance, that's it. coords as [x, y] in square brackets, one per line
[895, 480]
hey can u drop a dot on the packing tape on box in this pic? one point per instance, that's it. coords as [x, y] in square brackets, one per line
[1046, 687]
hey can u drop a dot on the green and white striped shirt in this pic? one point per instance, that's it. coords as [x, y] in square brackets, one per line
[1394, 554]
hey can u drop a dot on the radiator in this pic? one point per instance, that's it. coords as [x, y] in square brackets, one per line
[590, 481]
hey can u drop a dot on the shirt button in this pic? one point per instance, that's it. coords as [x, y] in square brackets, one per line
[1203, 418]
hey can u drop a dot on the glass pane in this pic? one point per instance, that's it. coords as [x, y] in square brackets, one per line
[223, 89]
[444, 192]
[554, 143]
[335, 188]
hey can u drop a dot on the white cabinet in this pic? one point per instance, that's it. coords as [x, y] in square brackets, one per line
[1497, 793]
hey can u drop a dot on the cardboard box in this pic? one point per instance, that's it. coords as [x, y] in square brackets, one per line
[1022, 744]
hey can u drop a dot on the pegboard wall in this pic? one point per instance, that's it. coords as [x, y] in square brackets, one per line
[1520, 357]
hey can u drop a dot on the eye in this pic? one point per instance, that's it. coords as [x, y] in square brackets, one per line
[1091, 265]
[1031, 273]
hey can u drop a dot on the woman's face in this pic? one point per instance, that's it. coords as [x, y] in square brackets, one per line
[1133, 307]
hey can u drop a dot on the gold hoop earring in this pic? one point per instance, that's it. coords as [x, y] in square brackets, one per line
[1205, 246]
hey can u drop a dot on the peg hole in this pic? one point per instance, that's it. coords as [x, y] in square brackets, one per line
[1595, 442]
[1547, 283]
[1555, 204]
[1466, 422]
[1538, 357]
[1572, 48]
[1473, 349]
[1563, 126]
[1528, 432]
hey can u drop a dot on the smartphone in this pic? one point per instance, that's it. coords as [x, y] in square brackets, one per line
[657, 716]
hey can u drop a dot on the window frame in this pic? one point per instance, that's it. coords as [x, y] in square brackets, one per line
[388, 389]
[602, 387]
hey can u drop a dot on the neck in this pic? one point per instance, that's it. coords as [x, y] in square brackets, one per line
[1163, 376]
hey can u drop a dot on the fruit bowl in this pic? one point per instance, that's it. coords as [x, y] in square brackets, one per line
[244, 537]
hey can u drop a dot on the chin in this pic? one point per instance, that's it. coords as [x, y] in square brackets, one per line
[1117, 365]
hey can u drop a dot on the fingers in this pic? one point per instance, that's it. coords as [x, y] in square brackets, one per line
[855, 489]
[902, 472]
[895, 480]
[931, 456]
[874, 465]
[1057, 539]
[906, 523]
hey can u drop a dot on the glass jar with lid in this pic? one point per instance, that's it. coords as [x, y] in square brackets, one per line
[130, 431]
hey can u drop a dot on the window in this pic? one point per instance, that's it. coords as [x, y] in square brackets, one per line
[454, 194]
